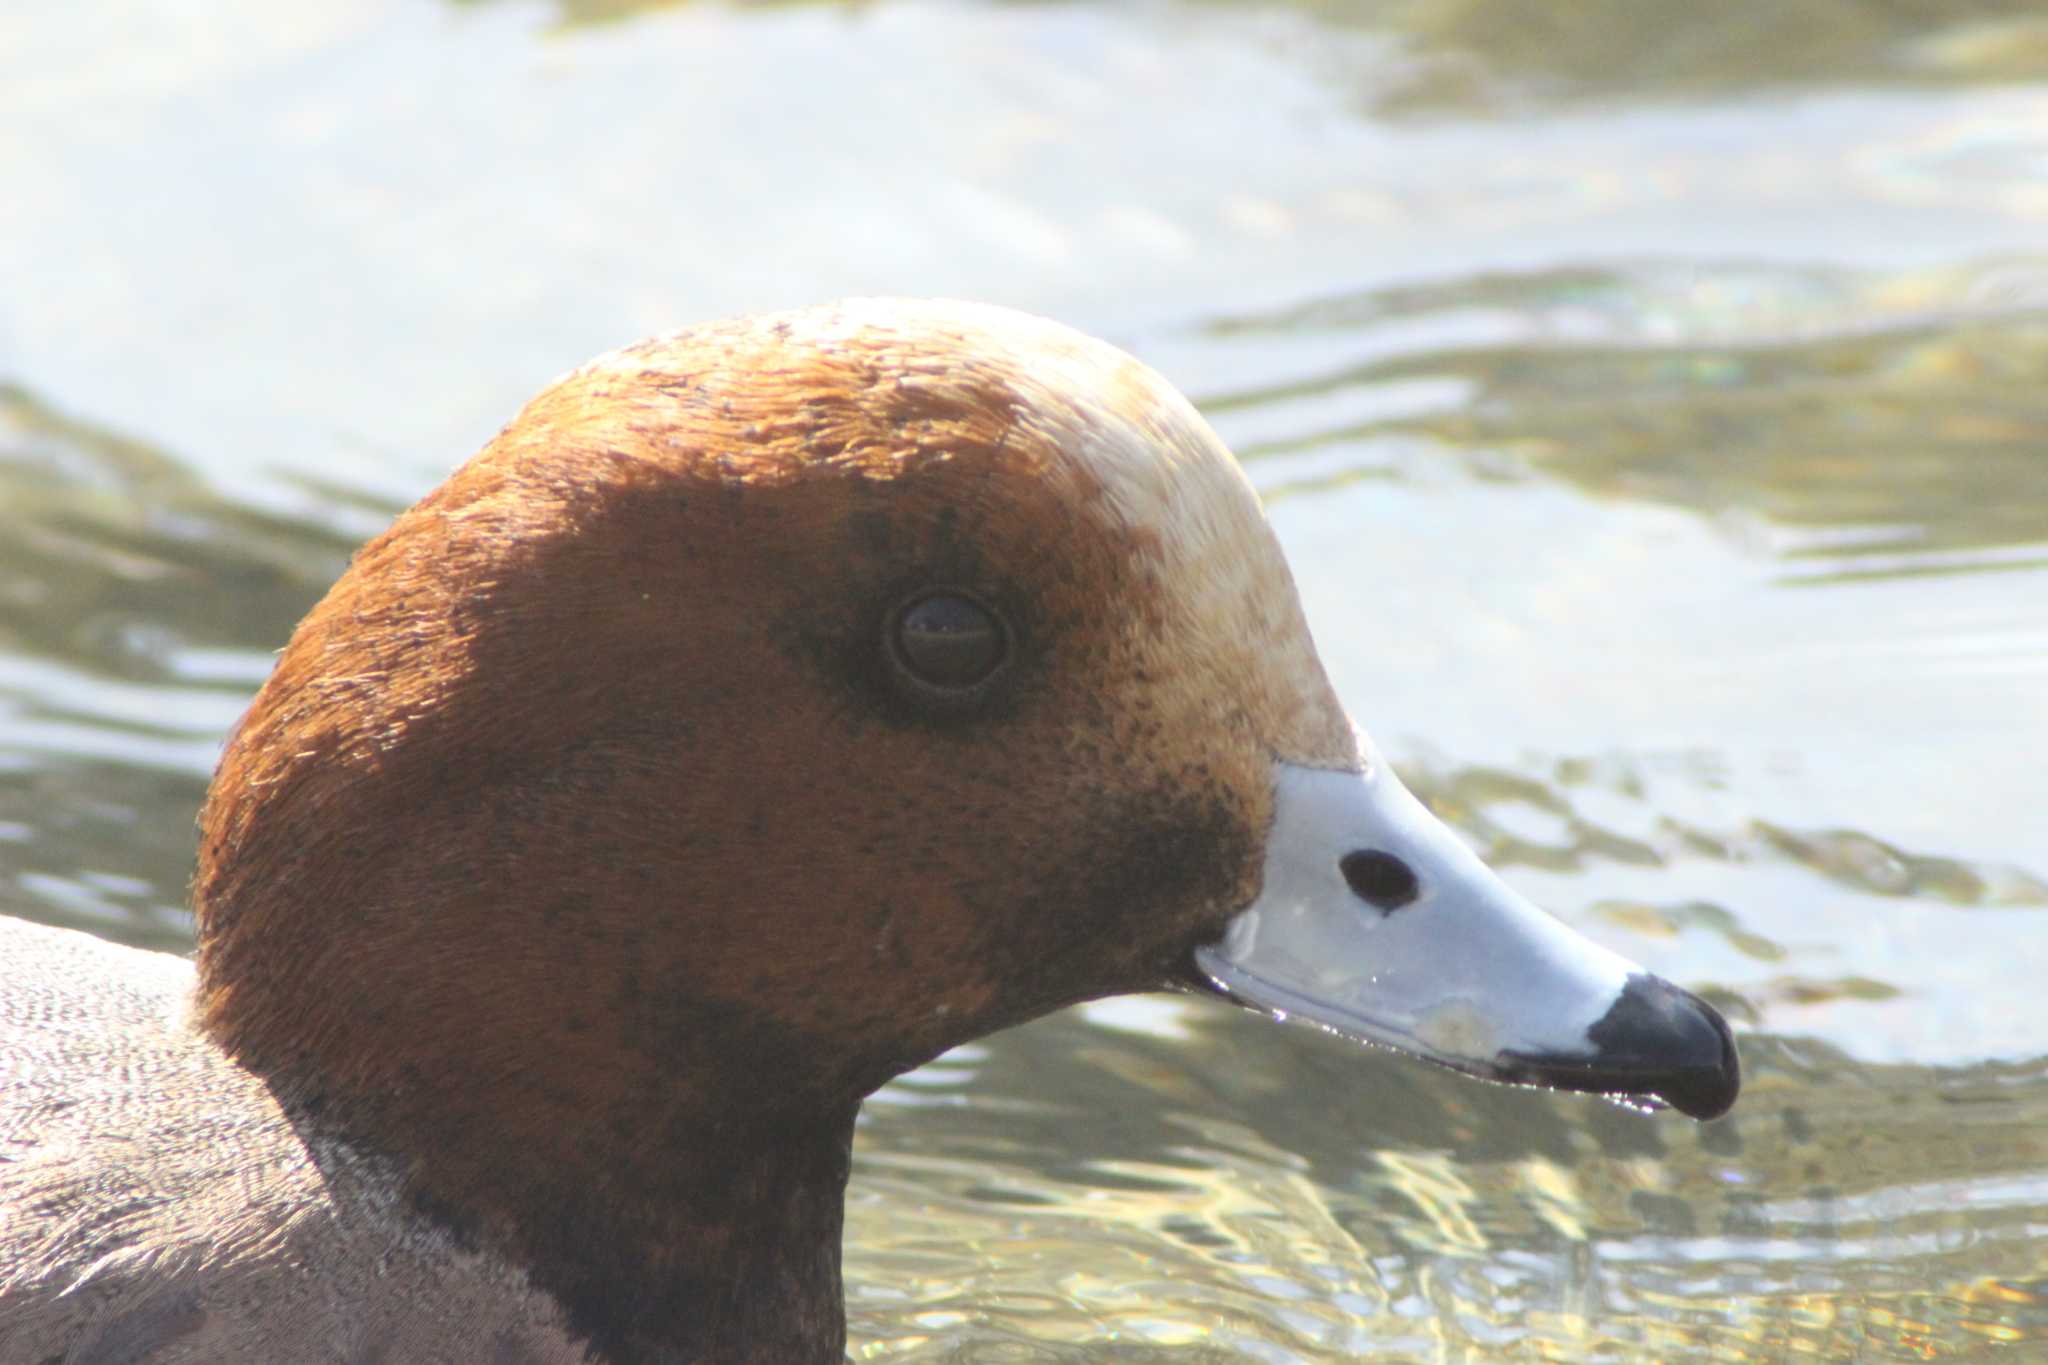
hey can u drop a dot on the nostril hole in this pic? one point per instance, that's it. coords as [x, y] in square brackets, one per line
[1379, 878]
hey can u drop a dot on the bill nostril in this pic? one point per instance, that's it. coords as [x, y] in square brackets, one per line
[1379, 879]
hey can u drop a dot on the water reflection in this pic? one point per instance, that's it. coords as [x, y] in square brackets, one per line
[1407, 1214]
[121, 560]
[1490, 56]
[589, 13]
[1496, 56]
[1897, 430]
[138, 609]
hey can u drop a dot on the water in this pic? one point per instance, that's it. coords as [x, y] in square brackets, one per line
[1651, 399]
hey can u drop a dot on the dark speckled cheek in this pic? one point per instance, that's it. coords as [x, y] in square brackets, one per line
[1163, 863]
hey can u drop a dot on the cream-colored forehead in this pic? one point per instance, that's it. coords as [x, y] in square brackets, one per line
[1123, 426]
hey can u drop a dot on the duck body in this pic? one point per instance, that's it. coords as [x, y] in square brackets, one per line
[767, 709]
[161, 1205]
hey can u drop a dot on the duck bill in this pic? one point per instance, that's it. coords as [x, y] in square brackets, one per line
[1378, 923]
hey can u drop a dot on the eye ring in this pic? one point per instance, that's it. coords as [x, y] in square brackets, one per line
[947, 644]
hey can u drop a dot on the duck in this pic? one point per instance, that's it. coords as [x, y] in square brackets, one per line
[769, 708]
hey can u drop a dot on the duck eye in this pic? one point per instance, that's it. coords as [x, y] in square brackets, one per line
[948, 642]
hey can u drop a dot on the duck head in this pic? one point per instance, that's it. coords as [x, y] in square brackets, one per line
[774, 705]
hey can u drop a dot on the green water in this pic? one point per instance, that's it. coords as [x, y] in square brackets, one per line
[1653, 399]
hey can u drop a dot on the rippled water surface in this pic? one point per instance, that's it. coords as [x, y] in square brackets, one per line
[1653, 399]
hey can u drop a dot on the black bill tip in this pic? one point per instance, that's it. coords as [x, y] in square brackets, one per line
[1657, 1042]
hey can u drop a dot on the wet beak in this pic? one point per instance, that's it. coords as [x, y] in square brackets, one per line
[1378, 923]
